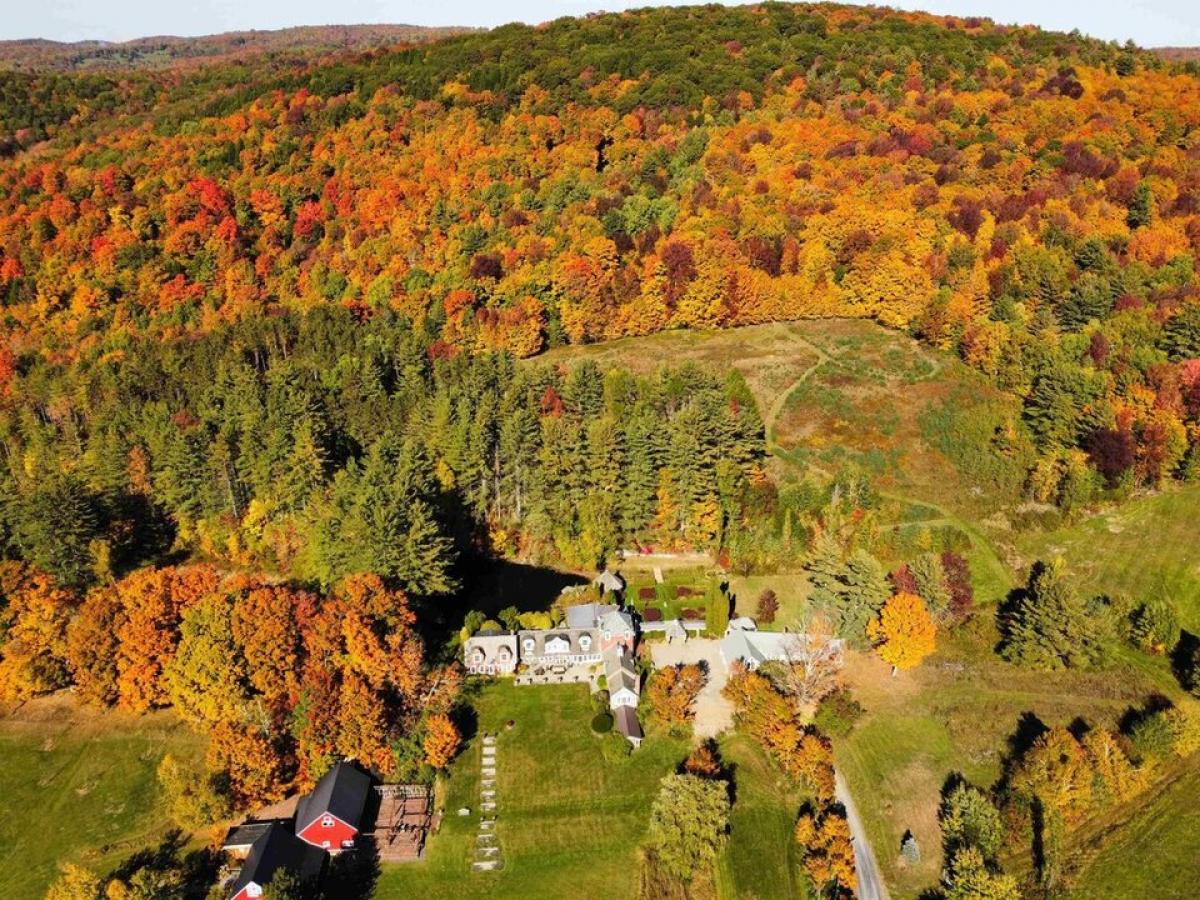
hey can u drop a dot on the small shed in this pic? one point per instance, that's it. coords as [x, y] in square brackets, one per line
[626, 720]
[609, 582]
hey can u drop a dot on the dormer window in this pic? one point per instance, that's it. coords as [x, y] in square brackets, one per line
[585, 642]
[327, 822]
[528, 644]
[504, 655]
[478, 655]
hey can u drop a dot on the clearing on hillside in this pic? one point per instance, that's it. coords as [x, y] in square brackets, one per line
[1145, 548]
[836, 393]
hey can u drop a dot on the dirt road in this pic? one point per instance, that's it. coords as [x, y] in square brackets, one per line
[870, 885]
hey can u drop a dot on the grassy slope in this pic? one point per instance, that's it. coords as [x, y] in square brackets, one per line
[78, 786]
[957, 714]
[760, 861]
[1149, 850]
[570, 820]
[1146, 548]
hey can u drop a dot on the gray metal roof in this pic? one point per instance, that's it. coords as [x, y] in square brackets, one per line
[586, 615]
[342, 792]
[277, 848]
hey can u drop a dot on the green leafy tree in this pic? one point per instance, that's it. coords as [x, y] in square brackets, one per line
[688, 823]
[56, 522]
[193, 797]
[970, 820]
[930, 577]
[206, 679]
[1141, 207]
[1154, 626]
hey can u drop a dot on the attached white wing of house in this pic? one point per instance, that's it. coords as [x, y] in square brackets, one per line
[753, 648]
[621, 678]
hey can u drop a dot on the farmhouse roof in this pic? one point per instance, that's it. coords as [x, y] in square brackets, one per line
[275, 849]
[619, 672]
[616, 621]
[341, 792]
[586, 615]
[627, 723]
[244, 835]
[756, 647]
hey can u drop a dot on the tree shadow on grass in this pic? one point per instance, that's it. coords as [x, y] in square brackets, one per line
[196, 870]
[1184, 660]
[352, 876]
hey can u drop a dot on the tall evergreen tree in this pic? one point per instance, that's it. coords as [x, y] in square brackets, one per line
[1048, 626]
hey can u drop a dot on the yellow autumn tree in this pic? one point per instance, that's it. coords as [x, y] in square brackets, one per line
[904, 633]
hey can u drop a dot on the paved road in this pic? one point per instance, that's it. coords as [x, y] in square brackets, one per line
[870, 885]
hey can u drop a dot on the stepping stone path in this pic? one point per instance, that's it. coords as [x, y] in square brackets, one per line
[488, 857]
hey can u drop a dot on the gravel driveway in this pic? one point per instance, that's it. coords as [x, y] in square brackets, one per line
[714, 713]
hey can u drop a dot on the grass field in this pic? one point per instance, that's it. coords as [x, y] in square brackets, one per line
[570, 819]
[78, 785]
[957, 714]
[761, 861]
[1147, 548]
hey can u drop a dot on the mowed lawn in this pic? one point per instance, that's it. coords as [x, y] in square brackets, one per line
[78, 785]
[761, 860]
[1148, 547]
[569, 820]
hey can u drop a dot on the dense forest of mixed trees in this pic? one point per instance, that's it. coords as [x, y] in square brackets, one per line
[263, 410]
[1026, 198]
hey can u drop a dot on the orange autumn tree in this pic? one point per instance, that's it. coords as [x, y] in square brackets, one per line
[154, 601]
[442, 740]
[773, 720]
[672, 693]
[904, 633]
[267, 623]
[824, 840]
[34, 619]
